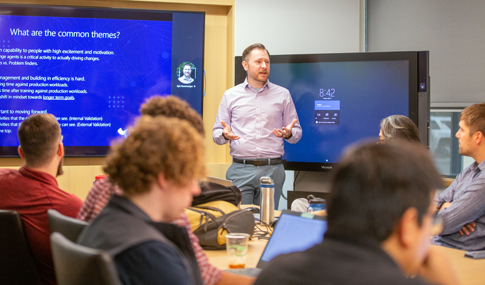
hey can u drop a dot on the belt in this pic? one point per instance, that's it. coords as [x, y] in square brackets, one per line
[259, 162]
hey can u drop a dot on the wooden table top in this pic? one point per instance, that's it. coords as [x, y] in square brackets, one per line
[470, 271]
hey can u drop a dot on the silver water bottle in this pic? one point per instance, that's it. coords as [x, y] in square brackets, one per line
[266, 200]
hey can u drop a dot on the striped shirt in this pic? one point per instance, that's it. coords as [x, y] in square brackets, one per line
[467, 197]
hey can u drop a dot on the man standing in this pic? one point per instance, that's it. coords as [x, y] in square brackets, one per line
[33, 189]
[462, 205]
[380, 219]
[255, 117]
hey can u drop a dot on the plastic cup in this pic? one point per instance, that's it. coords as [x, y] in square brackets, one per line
[237, 248]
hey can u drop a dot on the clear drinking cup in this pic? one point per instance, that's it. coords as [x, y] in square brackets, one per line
[237, 248]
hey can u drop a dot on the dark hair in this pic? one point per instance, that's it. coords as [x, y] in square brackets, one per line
[400, 127]
[474, 117]
[39, 136]
[156, 145]
[374, 184]
[250, 48]
[172, 107]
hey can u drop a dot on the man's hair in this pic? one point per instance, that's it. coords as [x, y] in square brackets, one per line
[400, 127]
[172, 107]
[156, 145]
[250, 48]
[474, 117]
[374, 184]
[39, 136]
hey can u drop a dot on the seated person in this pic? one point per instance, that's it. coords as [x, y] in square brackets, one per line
[158, 167]
[399, 127]
[392, 127]
[462, 205]
[380, 220]
[33, 189]
[102, 190]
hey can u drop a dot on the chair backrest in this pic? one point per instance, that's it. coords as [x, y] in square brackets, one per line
[16, 260]
[67, 226]
[78, 265]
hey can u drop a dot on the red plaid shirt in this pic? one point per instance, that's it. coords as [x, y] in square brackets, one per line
[99, 196]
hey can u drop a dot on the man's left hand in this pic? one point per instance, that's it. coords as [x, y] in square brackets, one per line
[467, 229]
[285, 132]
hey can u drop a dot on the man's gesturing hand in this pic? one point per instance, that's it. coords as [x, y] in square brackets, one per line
[285, 132]
[227, 132]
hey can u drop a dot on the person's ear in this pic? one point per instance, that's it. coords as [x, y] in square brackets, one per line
[408, 227]
[21, 153]
[60, 151]
[161, 181]
[245, 65]
[478, 137]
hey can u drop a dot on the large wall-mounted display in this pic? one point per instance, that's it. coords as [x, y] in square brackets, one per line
[341, 99]
[93, 68]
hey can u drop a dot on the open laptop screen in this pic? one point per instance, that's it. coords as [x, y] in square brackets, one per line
[293, 232]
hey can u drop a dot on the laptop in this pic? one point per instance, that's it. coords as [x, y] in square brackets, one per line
[221, 181]
[293, 232]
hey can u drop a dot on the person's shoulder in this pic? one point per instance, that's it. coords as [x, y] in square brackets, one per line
[4, 172]
[273, 86]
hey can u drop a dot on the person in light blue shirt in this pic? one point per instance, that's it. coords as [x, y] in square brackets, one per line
[462, 205]
[256, 117]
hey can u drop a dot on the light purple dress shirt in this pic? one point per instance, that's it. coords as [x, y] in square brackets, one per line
[253, 115]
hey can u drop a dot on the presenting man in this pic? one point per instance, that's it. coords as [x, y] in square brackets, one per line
[255, 117]
[380, 220]
[33, 189]
[462, 205]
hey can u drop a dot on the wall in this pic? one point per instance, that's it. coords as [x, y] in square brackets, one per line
[450, 30]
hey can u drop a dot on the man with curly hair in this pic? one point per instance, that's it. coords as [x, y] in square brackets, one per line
[103, 189]
[158, 167]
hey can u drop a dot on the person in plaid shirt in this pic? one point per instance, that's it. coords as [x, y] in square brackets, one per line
[102, 190]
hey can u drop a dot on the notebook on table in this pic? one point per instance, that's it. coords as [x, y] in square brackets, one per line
[293, 232]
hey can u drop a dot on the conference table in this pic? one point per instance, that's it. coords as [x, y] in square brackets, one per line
[470, 271]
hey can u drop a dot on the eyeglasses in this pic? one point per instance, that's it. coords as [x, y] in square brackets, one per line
[62, 138]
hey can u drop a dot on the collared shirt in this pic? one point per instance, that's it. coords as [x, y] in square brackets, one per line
[253, 116]
[31, 193]
[184, 80]
[467, 194]
[99, 196]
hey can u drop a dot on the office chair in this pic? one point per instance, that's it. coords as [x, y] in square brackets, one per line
[79, 265]
[67, 226]
[16, 260]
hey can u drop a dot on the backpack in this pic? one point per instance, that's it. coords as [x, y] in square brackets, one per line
[210, 191]
[212, 221]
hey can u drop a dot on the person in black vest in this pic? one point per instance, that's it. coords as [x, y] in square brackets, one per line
[158, 167]
[380, 218]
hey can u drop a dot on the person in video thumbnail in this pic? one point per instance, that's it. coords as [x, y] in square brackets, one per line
[187, 71]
